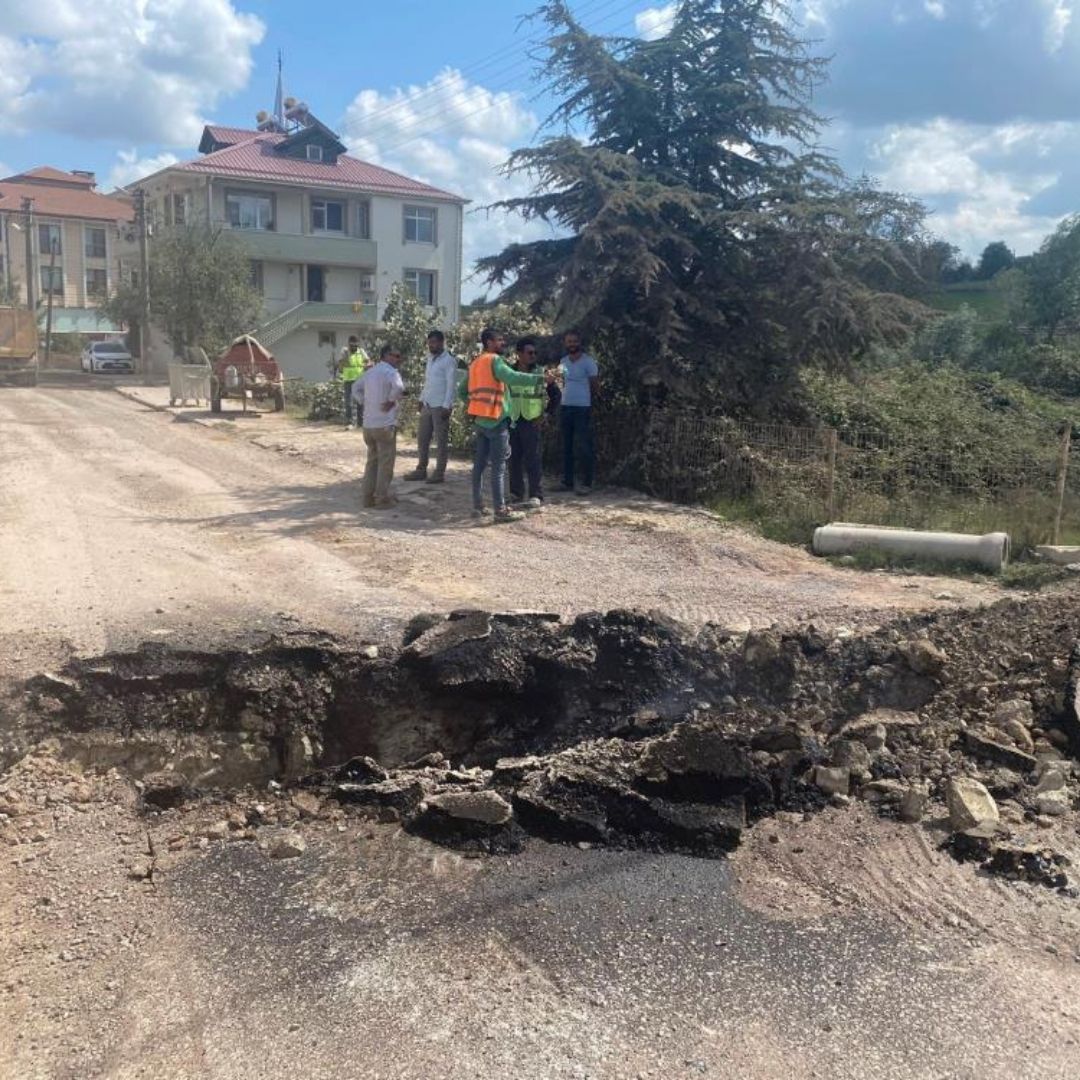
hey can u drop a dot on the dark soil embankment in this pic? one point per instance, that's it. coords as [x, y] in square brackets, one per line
[620, 728]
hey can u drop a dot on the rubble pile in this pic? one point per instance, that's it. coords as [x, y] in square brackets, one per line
[623, 728]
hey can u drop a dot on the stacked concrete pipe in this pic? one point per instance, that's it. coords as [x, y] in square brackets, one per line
[843, 538]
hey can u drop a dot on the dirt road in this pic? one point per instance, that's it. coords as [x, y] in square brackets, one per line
[119, 523]
[835, 947]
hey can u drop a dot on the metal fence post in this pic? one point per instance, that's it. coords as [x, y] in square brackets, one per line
[1062, 476]
[832, 442]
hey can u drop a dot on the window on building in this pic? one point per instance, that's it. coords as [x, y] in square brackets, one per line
[52, 280]
[49, 239]
[420, 224]
[256, 275]
[327, 216]
[246, 210]
[176, 209]
[422, 283]
[363, 220]
[94, 242]
[328, 337]
[97, 283]
[314, 153]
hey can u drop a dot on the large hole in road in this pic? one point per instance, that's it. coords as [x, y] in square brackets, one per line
[617, 727]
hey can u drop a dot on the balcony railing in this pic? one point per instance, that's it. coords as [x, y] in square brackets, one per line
[312, 313]
[318, 250]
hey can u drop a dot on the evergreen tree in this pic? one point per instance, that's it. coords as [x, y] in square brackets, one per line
[702, 236]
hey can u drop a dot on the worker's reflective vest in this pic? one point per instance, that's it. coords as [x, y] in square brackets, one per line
[526, 402]
[486, 393]
[354, 366]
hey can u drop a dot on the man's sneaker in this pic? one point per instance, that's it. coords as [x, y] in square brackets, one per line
[479, 514]
[533, 504]
[583, 490]
[436, 478]
[416, 474]
[505, 517]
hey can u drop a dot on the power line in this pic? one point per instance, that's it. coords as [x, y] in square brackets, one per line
[494, 89]
[497, 58]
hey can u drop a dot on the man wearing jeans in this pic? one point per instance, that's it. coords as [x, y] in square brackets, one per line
[581, 382]
[376, 395]
[527, 406]
[488, 406]
[436, 403]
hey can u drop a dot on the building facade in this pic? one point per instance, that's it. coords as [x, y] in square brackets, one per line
[328, 235]
[62, 239]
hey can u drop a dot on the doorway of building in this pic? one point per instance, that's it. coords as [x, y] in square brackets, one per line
[316, 284]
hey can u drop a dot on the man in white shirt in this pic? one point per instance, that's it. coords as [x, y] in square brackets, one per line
[436, 403]
[376, 396]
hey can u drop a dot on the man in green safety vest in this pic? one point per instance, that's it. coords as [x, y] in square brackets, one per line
[354, 361]
[526, 406]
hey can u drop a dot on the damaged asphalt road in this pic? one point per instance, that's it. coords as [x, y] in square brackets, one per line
[349, 868]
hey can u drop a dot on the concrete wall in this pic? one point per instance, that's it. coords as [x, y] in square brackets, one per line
[301, 358]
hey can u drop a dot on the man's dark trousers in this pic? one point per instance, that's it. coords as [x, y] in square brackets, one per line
[577, 434]
[525, 460]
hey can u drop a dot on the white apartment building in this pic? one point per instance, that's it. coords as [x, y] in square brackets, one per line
[327, 234]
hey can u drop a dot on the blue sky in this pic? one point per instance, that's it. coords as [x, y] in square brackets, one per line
[972, 105]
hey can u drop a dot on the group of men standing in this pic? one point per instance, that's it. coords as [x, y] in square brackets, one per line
[506, 403]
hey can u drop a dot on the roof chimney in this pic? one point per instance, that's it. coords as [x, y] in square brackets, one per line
[85, 174]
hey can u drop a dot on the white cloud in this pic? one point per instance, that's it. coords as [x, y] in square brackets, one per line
[982, 177]
[1059, 15]
[655, 22]
[130, 69]
[456, 135]
[935, 8]
[130, 167]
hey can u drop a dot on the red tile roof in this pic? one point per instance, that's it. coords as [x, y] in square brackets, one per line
[61, 194]
[46, 174]
[226, 136]
[255, 159]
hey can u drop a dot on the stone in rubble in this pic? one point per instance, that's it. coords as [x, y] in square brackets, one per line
[510, 771]
[361, 770]
[486, 807]
[851, 755]
[400, 796]
[308, 804]
[286, 845]
[832, 780]
[970, 804]
[165, 790]
[913, 804]
[998, 752]
[1019, 734]
[1053, 803]
[923, 657]
[1018, 710]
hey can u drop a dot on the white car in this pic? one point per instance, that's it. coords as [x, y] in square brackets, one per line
[107, 356]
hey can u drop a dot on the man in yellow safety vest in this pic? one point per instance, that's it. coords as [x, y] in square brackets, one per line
[351, 367]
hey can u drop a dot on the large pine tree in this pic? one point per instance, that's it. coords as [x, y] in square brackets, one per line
[700, 232]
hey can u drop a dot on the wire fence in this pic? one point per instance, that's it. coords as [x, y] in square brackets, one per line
[792, 478]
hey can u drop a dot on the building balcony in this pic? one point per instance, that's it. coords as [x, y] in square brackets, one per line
[314, 250]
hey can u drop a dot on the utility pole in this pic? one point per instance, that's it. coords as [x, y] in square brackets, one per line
[143, 225]
[7, 261]
[28, 223]
[53, 245]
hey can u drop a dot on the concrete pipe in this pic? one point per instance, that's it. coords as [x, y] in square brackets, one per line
[842, 538]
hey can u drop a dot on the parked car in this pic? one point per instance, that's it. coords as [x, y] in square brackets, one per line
[107, 356]
[249, 372]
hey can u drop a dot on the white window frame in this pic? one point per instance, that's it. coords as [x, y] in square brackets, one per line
[103, 295]
[415, 215]
[412, 279]
[363, 219]
[51, 273]
[52, 226]
[260, 225]
[314, 152]
[323, 206]
[87, 230]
